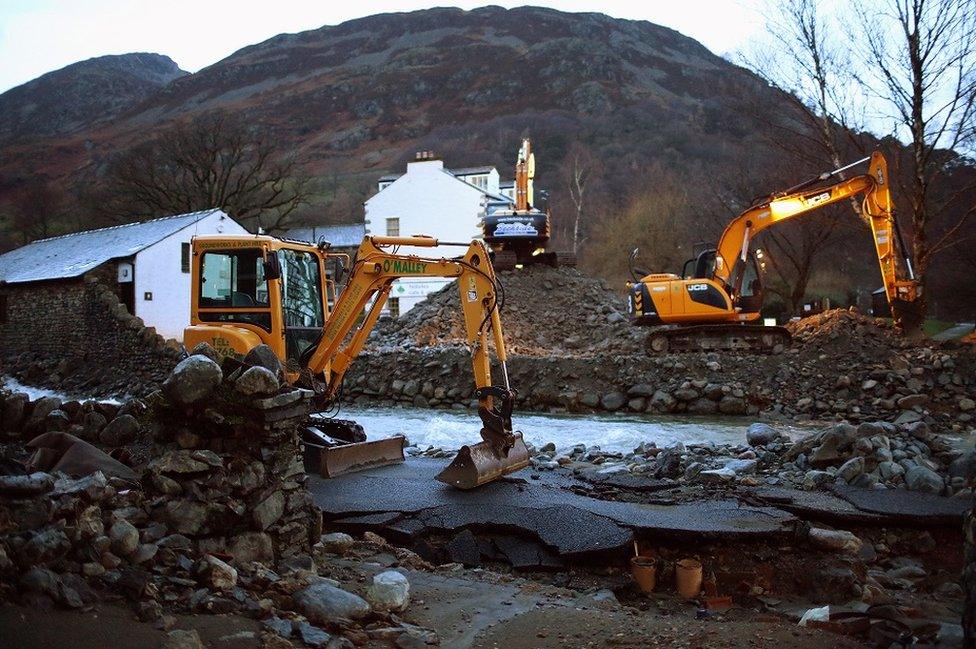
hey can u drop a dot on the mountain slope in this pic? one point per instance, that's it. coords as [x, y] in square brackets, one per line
[82, 94]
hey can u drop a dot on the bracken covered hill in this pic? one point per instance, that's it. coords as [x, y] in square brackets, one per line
[365, 94]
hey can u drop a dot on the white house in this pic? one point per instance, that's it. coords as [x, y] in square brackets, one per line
[447, 204]
[148, 264]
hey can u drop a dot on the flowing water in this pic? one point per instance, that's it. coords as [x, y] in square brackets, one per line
[611, 432]
[451, 429]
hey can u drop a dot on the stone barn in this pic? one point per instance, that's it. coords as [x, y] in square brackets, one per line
[105, 297]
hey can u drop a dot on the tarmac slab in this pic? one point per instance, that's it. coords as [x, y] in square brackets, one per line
[906, 508]
[566, 523]
[852, 505]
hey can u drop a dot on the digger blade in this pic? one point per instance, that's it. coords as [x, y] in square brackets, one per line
[334, 461]
[480, 463]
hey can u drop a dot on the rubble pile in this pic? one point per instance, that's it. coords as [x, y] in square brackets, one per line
[213, 516]
[546, 311]
[841, 365]
[872, 455]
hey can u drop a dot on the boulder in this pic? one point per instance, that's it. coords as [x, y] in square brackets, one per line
[216, 574]
[120, 431]
[14, 407]
[835, 540]
[251, 546]
[760, 434]
[26, 486]
[641, 390]
[964, 466]
[269, 510]
[851, 469]
[389, 591]
[125, 538]
[264, 356]
[337, 542]
[742, 466]
[702, 406]
[204, 349]
[661, 401]
[183, 639]
[732, 405]
[323, 603]
[716, 476]
[613, 400]
[193, 380]
[312, 636]
[920, 478]
[257, 381]
[815, 479]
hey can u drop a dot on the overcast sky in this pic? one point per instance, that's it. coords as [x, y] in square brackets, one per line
[38, 36]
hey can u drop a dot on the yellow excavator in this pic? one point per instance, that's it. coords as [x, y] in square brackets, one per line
[254, 290]
[719, 293]
[517, 232]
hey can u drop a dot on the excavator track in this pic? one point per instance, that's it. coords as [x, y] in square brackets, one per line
[719, 337]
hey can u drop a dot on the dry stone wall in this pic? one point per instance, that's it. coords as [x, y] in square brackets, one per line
[77, 336]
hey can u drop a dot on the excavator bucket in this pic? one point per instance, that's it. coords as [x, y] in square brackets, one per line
[501, 452]
[480, 463]
[332, 461]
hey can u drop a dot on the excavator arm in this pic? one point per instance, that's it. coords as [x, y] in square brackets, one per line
[370, 280]
[901, 288]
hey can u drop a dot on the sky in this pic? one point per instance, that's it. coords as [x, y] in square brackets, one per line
[38, 36]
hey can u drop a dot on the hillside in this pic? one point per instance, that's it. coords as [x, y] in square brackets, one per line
[83, 94]
[651, 110]
[365, 94]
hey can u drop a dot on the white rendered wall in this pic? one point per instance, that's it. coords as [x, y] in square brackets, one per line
[157, 270]
[428, 201]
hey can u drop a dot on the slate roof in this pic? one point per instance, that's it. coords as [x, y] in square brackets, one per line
[340, 236]
[470, 171]
[72, 255]
[461, 171]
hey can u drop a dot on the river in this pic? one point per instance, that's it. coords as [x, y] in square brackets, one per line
[451, 429]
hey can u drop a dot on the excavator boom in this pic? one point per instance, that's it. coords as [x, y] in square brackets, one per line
[249, 291]
[705, 307]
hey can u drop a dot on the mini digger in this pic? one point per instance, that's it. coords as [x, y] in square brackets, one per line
[254, 290]
[719, 292]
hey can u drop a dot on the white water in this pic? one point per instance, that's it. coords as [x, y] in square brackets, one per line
[35, 393]
[612, 432]
[451, 429]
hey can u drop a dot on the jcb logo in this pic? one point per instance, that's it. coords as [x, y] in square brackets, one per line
[697, 287]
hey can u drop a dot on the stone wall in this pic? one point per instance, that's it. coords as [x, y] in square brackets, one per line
[75, 335]
[914, 384]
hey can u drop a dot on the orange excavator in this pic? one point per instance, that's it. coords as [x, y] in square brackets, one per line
[716, 301]
[254, 290]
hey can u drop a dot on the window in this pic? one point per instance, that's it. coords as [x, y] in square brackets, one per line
[185, 257]
[393, 304]
[233, 279]
[301, 290]
[393, 227]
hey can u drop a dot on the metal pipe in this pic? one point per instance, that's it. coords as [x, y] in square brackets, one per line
[505, 375]
[824, 176]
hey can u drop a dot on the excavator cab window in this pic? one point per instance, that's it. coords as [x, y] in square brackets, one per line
[749, 297]
[705, 264]
[233, 287]
[301, 290]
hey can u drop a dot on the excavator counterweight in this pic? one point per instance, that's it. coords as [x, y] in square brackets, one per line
[249, 291]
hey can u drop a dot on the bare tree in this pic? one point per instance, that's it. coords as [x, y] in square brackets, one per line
[920, 61]
[580, 168]
[37, 212]
[803, 60]
[213, 161]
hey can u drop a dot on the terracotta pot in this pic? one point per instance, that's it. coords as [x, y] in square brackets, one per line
[688, 578]
[644, 570]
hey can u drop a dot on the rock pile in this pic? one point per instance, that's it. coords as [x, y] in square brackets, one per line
[213, 517]
[546, 311]
[875, 455]
[841, 366]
